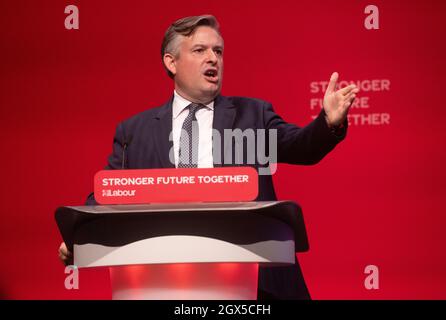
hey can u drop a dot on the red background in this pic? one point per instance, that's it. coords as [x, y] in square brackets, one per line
[378, 198]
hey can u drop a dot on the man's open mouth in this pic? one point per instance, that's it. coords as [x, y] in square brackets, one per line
[211, 75]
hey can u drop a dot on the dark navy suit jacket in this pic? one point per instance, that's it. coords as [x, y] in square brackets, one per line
[145, 137]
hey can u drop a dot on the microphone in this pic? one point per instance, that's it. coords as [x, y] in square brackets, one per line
[124, 149]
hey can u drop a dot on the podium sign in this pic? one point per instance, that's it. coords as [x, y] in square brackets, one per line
[176, 185]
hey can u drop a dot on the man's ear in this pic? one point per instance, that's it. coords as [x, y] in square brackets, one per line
[169, 62]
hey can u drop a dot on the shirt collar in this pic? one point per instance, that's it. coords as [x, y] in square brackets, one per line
[180, 103]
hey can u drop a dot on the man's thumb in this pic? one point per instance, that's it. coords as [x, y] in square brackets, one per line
[333, 80]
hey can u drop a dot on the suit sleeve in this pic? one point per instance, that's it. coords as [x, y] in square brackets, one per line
[114, 160]
[302, 145]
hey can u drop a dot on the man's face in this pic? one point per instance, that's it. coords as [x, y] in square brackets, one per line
[198, 65]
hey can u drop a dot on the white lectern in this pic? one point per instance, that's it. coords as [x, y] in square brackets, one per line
[184, 250]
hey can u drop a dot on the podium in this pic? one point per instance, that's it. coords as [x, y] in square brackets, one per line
[184, 250]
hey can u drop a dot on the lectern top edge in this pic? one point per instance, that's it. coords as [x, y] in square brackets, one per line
[178, 207]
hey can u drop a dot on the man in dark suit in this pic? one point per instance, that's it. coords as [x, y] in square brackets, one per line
[192, 53]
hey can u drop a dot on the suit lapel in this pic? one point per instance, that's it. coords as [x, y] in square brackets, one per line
[224, 116]
[163, 128]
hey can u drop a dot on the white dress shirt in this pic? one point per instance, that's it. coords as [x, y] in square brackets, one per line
[205, 118]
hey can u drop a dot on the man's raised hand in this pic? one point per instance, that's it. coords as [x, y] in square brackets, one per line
[337, 103]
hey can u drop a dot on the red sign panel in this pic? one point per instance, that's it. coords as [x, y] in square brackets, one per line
[176, 185]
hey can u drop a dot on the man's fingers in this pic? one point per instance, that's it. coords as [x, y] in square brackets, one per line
[349, 100]
[332, 83]
[64, 253]
[351, 88]
[67, 254]
[65, 259]
[63, 248]
[350, 96]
